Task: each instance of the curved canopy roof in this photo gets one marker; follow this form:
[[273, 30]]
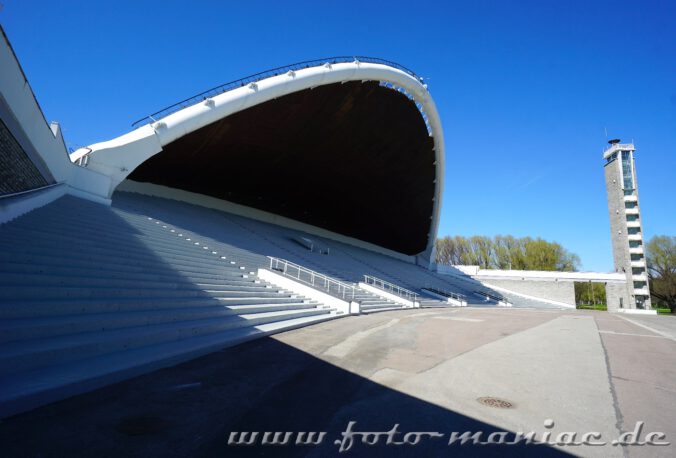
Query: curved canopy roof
[[354, 148]]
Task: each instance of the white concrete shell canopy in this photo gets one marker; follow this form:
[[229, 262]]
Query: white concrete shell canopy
[[118, 157]]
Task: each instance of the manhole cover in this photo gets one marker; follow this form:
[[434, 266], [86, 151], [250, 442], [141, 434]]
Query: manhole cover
[[495, 402], [139, 425]]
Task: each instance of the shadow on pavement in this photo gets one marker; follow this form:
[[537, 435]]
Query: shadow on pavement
[[263, 385]]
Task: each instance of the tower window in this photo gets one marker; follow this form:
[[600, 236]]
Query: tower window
[[627, 175]]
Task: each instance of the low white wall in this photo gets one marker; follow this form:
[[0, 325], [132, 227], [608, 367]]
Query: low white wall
[[455, 271], [389, 296], [555, 287], [542, 275], [345, 307], [468, 270], [528, 296], [556, 291]]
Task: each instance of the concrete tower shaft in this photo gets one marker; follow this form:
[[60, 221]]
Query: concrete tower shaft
[[625, 222]]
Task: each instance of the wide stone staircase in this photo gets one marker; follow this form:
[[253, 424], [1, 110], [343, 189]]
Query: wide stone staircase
[[371, 302], [90, 295]]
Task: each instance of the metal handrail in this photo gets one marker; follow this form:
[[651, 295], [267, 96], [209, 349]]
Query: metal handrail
[[495, 297], [390, 287], [266, 74], [445, 292], [28, 191], [313, 278]]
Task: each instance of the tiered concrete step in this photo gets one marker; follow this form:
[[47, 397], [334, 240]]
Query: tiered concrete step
[[24, 390], [346, 263], [90, 295], [214, 227], [372, 303], [253, 239], [27, 352], [433, 303]]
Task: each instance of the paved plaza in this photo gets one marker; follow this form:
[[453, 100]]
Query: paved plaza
[[427, 370]]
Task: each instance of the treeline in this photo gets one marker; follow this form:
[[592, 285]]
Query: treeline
[[505, 252]]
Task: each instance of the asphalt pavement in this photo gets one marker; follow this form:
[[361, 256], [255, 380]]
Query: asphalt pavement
[[400, 383]]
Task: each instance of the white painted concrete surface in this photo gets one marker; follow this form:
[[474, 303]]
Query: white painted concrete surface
[[343, 306], [387, 295]]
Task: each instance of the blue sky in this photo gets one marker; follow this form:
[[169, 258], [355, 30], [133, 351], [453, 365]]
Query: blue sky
[[524, 89]]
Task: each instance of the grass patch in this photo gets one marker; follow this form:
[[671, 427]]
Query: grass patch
[[602, 307], [663, 311]]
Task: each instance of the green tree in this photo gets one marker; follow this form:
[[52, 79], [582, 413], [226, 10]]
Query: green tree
[[542, 255], [505, 252], [501, 251], [482, 247], [445, 248], [661, 258], [539, 255], [590, 293], [517, 254]]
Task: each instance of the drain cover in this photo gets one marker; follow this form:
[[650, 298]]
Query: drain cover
[[495, 402]]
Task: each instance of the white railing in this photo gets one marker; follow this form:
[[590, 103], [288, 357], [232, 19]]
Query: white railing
[[83, 161], [391, 288], [81, 156], [621, 146], [312, 278], [445, 292]]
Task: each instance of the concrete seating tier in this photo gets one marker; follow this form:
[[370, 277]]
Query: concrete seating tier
[[253, 240], [90, 295]]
